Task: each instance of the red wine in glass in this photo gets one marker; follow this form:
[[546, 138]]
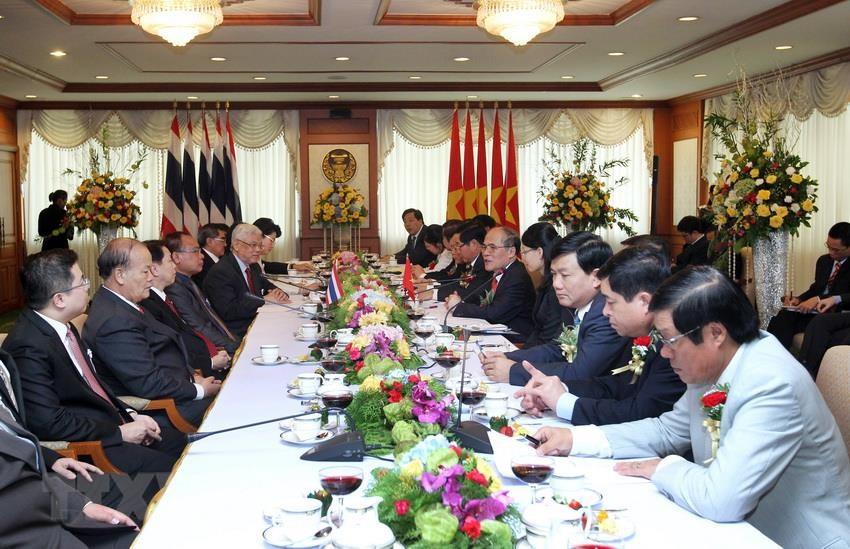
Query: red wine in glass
[[472, 397], [532, 473], [337, 399], [341, 485]]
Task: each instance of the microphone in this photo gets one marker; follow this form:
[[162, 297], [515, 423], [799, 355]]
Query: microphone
[[469, 294], [471, 435], [192, 437], [249, 295], [288, 283]]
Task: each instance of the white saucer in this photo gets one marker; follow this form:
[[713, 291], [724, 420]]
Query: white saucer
[[258, 361], [480, 413], [286, 424], [302, 337], [298, 361], [586, 496], [276, 536], [291, 438], [296, 393], [625, 530]]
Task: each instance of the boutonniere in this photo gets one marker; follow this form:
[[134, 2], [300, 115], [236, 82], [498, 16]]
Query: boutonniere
[[568, 340], [640, 348], [489, 295], [466, 280], [713, 402]]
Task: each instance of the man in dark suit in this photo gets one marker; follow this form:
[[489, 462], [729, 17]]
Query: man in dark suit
[[135, 353], [235, 286], [189, 300], [63, 396], [510, 296], [203, 354], [827, 292], [638, 386], [415, 247], [576, 259], [471, 276], [695, 251], [213, 241], [39, 509], [823, 332]]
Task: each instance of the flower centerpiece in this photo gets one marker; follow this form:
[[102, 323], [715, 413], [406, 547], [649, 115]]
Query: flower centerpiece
[[367, 299], [439, 495], [339, 205], [578, 198], [397, 411], [376, 350], [348, 262]]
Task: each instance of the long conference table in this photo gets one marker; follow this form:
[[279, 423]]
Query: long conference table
[[217, 493]]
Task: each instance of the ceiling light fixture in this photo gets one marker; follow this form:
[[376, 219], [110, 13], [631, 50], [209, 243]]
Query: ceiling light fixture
[[472, 97], [415, 77], [101, 77], [342, 58], [567, 77], [783, 48], [616, 53], [30, 96], [700, 75], [461, 59], [58, 53], [333, 97], [636, 96], [191, 97], [688, 18], [218, 59], [518, 21], [177, 22], [259, 78]]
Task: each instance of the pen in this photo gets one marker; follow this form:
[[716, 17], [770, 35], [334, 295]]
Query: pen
[[534, 442]]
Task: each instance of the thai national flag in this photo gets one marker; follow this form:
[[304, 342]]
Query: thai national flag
[[218, 194], [204, 171], [172, 207], [233, 208], [190, 189], [334, 292]]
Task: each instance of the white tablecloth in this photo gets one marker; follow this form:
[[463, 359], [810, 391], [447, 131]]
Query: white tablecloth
[[216, 496]]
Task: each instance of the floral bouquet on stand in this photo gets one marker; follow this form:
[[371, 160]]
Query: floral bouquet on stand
[[439, 495], [398, 411], [339, 205], [579, 199]]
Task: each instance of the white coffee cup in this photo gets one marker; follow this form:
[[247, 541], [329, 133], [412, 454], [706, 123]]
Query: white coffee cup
[[309, 329], [299, 517], [310, 308], [344, 331], [269, 353], [496, 404], [334, 379], [343, 339], [444, 339], [307, 427], [309, 383], [567, 478]]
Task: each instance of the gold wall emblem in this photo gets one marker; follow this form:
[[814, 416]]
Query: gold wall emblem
[[339, 166]]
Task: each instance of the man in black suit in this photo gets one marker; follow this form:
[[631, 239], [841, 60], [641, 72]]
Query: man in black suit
[[189, 300], [824, 331], [829, 291], [470, 277], [203, 353], [235, 286], [135, 353], [63, 395], [510, 296], [576, 259], [695, 251], [415, 247], [213, 241], [638, 386]]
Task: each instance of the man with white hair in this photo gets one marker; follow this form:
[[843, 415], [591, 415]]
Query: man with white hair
[[235, 283]]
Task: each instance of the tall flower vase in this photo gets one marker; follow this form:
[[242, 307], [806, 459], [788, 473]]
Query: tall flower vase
[[770, 263], [105, 234]]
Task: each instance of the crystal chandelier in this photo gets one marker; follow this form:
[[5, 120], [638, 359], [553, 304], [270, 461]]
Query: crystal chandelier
[[177, 21], [518, 21]]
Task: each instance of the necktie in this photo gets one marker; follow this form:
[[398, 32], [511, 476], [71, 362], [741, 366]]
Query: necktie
[[211, 348], [250, 281], [7, 381], [212, 314], [83, 362], [833, 275], [495, 282]]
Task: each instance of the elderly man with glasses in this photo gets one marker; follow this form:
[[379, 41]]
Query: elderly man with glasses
[[235, 285]]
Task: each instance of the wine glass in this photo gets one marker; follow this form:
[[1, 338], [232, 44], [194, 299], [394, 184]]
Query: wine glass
[[337, 398], [424, 330], [532, 469], [473, 394], [340, 481]]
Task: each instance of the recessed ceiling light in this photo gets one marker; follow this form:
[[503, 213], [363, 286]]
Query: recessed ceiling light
[[415, 77], [30, 96], [567, 77], [615, 53], [191, 97], [2, 17], [782, 48], [688, 18], [472, 97], [342, 58], [218, 58], [58, 53], [700, 75], [259, 78], [636, 96], [333, 97], [461, 59], [101, 77]]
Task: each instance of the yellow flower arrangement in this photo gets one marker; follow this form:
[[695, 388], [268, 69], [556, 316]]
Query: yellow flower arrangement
[[339, 205]]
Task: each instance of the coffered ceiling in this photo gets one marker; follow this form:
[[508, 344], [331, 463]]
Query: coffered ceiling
[[404, 51]]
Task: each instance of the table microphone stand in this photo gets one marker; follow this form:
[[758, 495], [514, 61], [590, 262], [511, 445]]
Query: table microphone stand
[[470, 434]]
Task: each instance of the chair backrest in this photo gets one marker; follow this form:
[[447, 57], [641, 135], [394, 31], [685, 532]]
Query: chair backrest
[[834, 384], [78, 322]]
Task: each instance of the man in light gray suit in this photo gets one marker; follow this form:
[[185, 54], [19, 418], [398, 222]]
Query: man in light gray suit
[[781, 463]]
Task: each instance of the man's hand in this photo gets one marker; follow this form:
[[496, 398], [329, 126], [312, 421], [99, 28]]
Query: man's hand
[[643, 469], [541, 391], [143, 430], [101, 513], [210, 385], [554, 441], [221, 361], [452, 300], [808, 305], [789, 301], [277, 295], [826, 304], [304, 266], [69, 468], [496, 366]]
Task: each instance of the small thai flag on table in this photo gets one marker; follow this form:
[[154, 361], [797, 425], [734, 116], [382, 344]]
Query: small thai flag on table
[[334, 291]]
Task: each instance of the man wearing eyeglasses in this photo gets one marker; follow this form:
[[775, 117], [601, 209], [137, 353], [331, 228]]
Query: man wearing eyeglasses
[[775, 458], [233, 281], [626, 392], [509, 298]]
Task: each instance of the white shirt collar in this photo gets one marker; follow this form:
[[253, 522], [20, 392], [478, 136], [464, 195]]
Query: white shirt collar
[[505, 268], [124, 299], [242, 265], [583, 311], [158, 292], [211, 255], [61, 328]]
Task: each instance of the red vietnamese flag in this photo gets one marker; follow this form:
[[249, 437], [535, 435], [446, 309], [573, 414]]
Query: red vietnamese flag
[[454, 200], [511, 218], [470, 193], [407, 279], [481, 180], [497, 186]]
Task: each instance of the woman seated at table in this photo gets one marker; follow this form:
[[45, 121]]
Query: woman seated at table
[[546, 316]]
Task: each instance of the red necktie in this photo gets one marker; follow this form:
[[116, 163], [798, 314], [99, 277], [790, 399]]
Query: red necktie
[[495, 282], [833, 275], [211, 348], [250, 281], [82, 361]]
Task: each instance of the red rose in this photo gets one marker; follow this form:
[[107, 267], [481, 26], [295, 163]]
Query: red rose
[[358, 365], [471, 527], [413, 379], [397, 385], [394, 396], [476, 477], [354, 353], [711, 400], [642, 341], [456, 449], [402, 506]]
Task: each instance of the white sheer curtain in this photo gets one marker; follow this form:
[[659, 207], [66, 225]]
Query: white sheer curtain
[[416, 177], [266, 189]]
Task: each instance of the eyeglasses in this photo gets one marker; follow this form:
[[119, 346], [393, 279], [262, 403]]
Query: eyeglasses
[[669, 342], [252, 245], [493, 247], [189, 251], [271, 238], [525, 250], [219, 239], [83, 283]]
